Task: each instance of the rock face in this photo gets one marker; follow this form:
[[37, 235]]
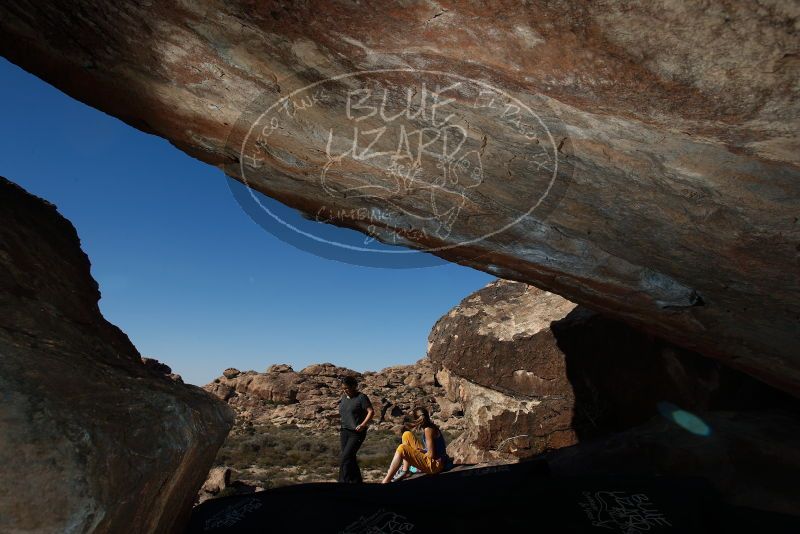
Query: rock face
[[310, 398], [218, 479], [92, 439], [161, 368], [751, 458], [637, 158], [535, 372]]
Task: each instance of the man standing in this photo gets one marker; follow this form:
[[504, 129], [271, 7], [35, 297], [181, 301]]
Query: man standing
[[355, 411]]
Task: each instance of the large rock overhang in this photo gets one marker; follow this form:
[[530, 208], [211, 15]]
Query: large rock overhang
[[674, 125]]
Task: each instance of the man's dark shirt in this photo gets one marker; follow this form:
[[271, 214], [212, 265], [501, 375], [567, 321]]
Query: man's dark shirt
[[353, 411]]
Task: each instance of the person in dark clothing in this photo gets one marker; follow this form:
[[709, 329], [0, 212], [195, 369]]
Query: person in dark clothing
[[355, 411]]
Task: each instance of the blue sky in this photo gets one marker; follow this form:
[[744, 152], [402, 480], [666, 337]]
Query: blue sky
[[186, 273]]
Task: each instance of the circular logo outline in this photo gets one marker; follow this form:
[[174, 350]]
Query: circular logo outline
[[358, 249]]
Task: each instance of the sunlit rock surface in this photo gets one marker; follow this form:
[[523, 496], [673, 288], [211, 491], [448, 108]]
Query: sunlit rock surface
[[639, 158], [92, 439], [534, 372]]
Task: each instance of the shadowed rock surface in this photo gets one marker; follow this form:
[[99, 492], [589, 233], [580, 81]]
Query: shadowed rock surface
[[751, 458], [92, 438], [672, 124], [533, 372], [510, 498]]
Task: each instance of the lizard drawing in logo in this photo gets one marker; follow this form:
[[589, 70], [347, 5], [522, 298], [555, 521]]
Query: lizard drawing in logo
[[425, 179]]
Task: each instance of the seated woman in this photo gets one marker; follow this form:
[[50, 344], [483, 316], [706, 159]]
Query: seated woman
[[431, 459]]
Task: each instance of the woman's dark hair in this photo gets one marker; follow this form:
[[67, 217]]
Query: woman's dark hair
[[421, 413], [350, 381]]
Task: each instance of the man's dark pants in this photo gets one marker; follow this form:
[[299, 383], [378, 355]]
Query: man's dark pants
[[348, 467]]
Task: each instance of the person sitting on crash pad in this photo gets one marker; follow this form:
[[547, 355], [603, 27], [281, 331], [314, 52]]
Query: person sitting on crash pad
[[430, 458]]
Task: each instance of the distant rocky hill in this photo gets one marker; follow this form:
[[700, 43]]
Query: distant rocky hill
[[310, 398]]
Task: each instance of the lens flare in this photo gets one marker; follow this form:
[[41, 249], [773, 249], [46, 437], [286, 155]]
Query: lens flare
[[686, 420]]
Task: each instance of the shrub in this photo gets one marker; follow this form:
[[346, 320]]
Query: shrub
[[267, 454]]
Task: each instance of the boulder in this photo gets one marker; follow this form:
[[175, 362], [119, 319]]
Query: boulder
[[176, 378], [276, 387], [639, 158], [217, 480], [219, 484], [157, 366], [94, 438], [160, 368], [534, 372], [280, 368], [329, 370], [223, 391], [752, 458], [231, 373]]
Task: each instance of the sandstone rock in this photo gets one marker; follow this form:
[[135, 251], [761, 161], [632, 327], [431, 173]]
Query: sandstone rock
[[92, 440], [222, 391], [380, 382], [160, 368], [156, 366], [534, 372], [448, 408], [328, 370], [418, 381], [280, 368], [218, 479], [277, 387], [219, 484], [502, 428], [674, 200], [230, 373]]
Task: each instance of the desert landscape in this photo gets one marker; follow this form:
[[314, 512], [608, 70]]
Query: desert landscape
[[287, 422], [626, 172]]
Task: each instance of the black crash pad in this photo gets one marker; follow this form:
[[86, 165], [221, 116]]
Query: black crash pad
[[499, 499]]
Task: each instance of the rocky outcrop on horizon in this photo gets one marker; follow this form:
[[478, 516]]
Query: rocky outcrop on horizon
[[535, 372], [309, 398], [93, 438], [161, 368]]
